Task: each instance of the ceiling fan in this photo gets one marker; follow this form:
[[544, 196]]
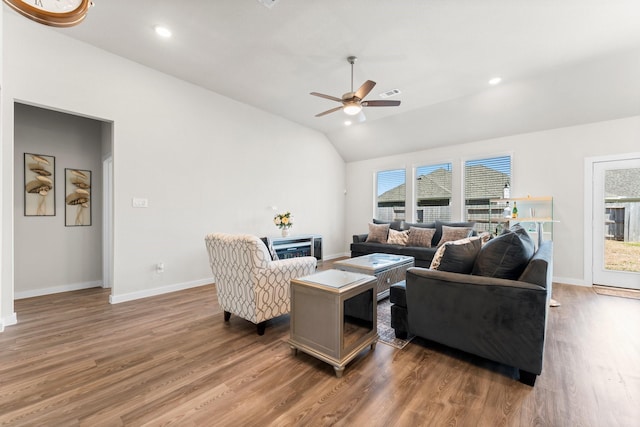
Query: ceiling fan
[[353, 102]]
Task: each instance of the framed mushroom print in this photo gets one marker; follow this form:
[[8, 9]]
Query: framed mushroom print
[[78, 197], [39, 185]]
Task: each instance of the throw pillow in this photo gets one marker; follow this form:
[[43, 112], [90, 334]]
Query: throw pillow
[[457, 256], [420, 237], [440, 224], [450, 234], [378, 233], [505, 256], [484, 237], [398, 237]]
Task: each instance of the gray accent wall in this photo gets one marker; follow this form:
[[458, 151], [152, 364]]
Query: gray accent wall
[[49, 256]]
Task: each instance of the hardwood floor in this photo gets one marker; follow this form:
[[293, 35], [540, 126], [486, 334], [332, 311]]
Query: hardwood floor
[[74, 359]]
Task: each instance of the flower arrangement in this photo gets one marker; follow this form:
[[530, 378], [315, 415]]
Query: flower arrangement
[[284, 220]]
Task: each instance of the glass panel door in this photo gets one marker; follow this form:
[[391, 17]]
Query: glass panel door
[[616, 214]]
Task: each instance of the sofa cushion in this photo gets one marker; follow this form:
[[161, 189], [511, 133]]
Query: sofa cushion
[[398, 237], [439, 224], [393, 225], [378, 233], [505, 256], [398, 293], [408, 225], [450, 234], [457, 256], [420, 237], [422, 256]]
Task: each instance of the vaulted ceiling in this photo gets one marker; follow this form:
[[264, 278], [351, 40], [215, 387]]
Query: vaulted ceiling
[[562, 62]]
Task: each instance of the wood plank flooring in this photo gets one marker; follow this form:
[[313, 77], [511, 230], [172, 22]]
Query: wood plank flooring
[[74, 359]]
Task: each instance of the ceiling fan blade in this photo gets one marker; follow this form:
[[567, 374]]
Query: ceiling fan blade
[[365, 89], [380, 103], [324, 113], [322, 95]]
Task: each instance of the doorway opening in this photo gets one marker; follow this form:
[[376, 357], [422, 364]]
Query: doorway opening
[[614, 221], [69, 252]]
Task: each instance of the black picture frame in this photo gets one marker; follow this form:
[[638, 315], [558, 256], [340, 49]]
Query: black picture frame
[[39, 185], [77, 201]]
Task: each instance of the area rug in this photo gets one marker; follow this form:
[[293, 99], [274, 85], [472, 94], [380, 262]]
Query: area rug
[[606, 290], [386, 334]]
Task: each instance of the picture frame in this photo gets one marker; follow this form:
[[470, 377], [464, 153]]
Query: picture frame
[[77, 202], [39, 185]]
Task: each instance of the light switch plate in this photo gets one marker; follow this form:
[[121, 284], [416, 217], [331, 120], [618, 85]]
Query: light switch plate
[[140, 203]]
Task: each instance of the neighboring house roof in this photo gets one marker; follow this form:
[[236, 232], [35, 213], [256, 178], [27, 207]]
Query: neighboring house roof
[[396, 194], [437, 185], [622, 185]]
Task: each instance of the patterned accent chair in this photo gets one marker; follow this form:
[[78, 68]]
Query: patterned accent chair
[[249, 284]]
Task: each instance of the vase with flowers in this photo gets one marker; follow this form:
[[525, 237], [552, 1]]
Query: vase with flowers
[[283, 221]]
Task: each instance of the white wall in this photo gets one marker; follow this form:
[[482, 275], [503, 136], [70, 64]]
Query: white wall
[[204, 162], [67, 258], [547, 163]]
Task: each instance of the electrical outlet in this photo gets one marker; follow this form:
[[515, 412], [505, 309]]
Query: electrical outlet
[[160, 267]]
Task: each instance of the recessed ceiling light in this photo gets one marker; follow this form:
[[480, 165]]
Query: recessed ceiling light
[[494, 81], [347, 122], [162, 31]]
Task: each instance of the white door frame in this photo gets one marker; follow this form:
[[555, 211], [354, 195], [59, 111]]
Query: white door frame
[[107, 222], [588, 208]]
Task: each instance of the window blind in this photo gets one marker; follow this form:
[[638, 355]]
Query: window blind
[[433, 192], [391, 195], [484, 179]]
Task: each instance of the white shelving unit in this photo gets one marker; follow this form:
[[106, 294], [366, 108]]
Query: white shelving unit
[[534, 213]]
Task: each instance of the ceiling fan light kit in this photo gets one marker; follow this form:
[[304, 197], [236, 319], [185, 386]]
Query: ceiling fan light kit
[[351, 108], [353, 102]]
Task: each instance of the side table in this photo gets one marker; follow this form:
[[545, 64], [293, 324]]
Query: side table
[[333, 316]]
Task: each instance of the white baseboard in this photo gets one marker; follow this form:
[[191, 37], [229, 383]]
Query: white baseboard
[[116, 299], [334, 256], [8, 321], [57, 289], [571, 281]]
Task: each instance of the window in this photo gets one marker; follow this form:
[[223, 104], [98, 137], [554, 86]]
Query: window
[[433, 193], [391, 195], [484, 179]]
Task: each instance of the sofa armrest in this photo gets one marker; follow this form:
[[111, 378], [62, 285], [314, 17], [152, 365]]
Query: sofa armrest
[[469, 280], [540, 267], [360, 238]]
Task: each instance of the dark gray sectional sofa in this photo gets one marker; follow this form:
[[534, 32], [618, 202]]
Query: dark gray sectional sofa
[[422, 255], [498, 312]]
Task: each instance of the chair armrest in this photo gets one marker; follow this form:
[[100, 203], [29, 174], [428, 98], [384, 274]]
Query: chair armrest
[[360, 238], [292, 268]]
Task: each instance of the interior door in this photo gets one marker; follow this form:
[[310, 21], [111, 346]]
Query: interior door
[[616, 223]]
